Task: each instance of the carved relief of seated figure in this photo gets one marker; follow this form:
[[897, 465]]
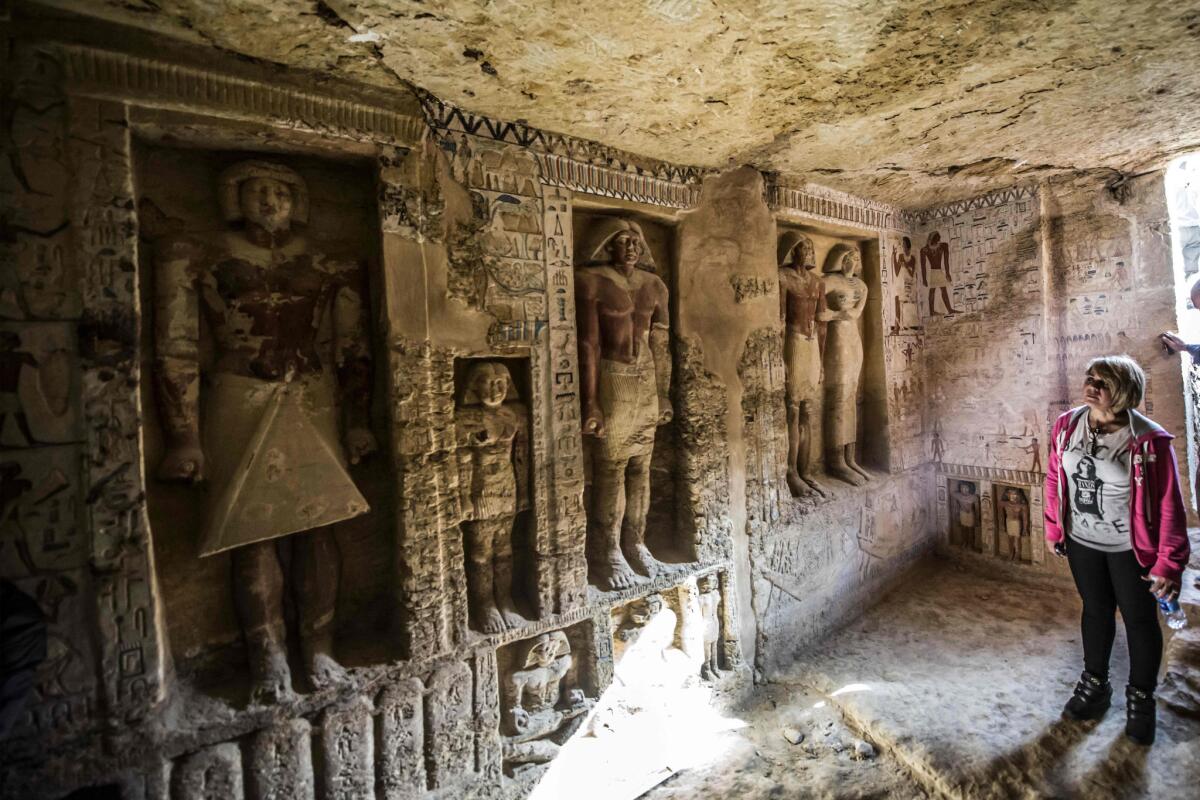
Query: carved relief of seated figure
[[541, 714]]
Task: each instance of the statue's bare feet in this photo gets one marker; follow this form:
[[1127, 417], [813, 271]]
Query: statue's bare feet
[[816, 487], [489, 619], [706, 672], [854, 466], [613, 573], [271, 674], [641, 560], [797, 486], [512, 617], [848, 475], [323, 669]]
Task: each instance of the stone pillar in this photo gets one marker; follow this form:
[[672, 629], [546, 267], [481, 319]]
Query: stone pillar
[[105, 245]]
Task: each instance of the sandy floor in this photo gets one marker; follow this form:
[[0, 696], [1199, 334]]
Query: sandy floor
[[963, 677]]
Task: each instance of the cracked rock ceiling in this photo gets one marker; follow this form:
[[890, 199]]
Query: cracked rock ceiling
[[909, 101]]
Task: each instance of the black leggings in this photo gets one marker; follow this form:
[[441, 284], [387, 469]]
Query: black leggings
[[1106, 582]]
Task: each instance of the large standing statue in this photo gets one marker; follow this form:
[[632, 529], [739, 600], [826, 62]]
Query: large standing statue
[[965, 503], [801, 305], [494, 485], [283, 409], [845, 298], [625, 379]]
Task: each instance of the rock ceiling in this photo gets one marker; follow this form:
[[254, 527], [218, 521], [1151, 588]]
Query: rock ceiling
[[913, 102]]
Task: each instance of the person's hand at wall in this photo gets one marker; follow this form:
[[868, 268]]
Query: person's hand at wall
[[1171, 341]]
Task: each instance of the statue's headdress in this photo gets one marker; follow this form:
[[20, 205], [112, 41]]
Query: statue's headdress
[[556, 642], [230, 183], [843, 259], [593, 249], [789, 242]]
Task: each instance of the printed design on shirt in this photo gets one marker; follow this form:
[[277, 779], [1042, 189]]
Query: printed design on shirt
[[1089, 489]]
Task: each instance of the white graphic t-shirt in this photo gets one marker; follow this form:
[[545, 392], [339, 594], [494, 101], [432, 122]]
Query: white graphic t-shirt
[[1098, 487]]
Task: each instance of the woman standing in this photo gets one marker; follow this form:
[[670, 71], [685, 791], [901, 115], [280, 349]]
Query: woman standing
[[1114, 509]]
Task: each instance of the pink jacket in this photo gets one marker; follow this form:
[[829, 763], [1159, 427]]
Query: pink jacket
[[1158, 522]]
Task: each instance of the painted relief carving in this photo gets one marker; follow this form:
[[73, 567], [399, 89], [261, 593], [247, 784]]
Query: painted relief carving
[[801, 309], [540, 713], [1014, 521], [965, 527], [904, 270], [625, 380], [845, 299], [935, 271], [493, 475], [281, 418], [710, 603]]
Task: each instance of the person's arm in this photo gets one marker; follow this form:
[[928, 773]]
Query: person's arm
[[1173, 546], [944, 257], [352, 357], [587, 316], [1054, 532], [660, 349], [177, 358], [924, 263]]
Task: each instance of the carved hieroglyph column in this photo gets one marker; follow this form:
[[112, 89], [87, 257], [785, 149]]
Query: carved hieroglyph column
[[102, 218]]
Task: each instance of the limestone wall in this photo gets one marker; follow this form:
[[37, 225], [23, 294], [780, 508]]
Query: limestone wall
[[1041, 280], [443, 250]]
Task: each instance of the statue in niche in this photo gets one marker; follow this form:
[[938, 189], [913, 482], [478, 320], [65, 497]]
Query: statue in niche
[[637, 614], [935, 270], [493, 480], [1014, 517], [965, 516], [801, 308], [710, 603], [284, 410], [904, 268], [625, 380], [539, 715], [845, 299]]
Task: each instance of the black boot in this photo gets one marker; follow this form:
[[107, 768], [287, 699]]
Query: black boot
[[1093, 696], [1140, 711]]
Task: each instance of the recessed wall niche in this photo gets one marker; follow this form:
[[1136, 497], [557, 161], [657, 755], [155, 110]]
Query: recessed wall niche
[[548, 683], [1013, 540], [494, 461], [262, 362], [639, 424], [837, 411]]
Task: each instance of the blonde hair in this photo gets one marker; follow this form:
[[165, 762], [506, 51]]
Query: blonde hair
[[1126, 380]]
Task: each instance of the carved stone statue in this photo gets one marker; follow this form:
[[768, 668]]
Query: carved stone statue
[[539, 715], [493, 480], [1014, 518], [965, 515], [801, 306], [710, 602], [283, 411], [637, 614], [625, 379], [845, 299]]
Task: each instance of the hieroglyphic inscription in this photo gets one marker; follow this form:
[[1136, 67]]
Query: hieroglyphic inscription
[[106, 243], [565, 454]]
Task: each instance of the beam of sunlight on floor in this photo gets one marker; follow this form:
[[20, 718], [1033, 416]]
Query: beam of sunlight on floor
[[656, 719]]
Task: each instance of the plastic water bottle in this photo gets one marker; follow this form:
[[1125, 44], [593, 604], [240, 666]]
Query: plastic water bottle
[[1173, 614]]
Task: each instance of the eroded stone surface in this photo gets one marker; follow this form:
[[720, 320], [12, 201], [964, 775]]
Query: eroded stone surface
[[908, 101]]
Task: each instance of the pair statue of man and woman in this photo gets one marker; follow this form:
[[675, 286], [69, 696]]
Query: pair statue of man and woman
[[823, 355]]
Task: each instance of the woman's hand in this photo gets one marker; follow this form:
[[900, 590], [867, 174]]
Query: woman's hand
[[1057, 548], [1161, 587]]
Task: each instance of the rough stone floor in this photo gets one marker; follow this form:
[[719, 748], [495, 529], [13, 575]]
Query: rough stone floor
[[962, 677]]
